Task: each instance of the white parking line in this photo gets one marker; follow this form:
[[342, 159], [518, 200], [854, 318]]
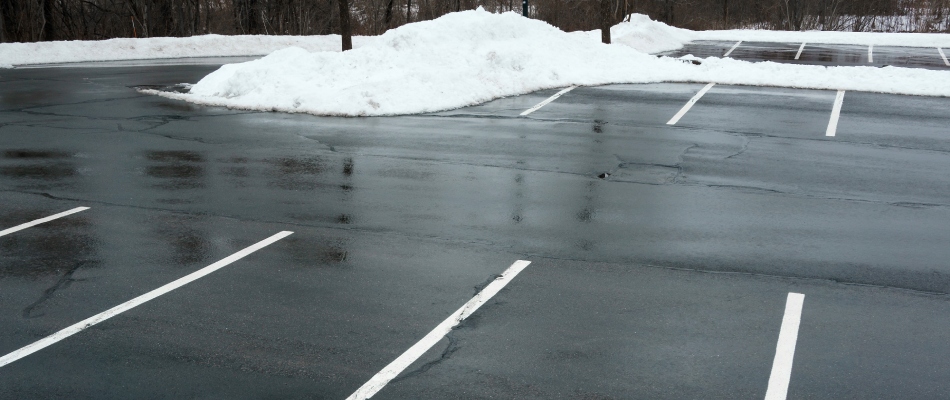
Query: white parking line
[[871, 54], [41, 220], [835, 114], [800, 49], [546, 101], [785, 350], [689, 104], [732, 49], [944, 56], [394, 368], [88, 322]]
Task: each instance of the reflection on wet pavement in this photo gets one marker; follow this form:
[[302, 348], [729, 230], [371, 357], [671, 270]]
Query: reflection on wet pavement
[[189, 244], [45, 250], [176, 170], [297, 173], [311, 253], [38, 169]]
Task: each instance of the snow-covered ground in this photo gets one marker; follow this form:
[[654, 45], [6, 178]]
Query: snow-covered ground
[[475, 56], [653, 37], [161, 47], [639, 32]]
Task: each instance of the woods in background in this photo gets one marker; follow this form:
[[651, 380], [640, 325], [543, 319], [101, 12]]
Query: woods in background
[[39, 20]]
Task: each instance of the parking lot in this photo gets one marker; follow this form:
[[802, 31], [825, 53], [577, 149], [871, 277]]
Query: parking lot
[[821, 54], [670, 229]]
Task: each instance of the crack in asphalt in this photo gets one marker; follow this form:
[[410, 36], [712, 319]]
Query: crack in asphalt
[[64, 282], [745, 146], [945, 295], [450, 349]]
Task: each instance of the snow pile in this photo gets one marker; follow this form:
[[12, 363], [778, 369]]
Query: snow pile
[[161, 47], [474, 56], [459, 59], [648, 36]]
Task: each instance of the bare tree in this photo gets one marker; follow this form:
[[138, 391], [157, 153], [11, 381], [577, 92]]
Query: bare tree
[[345, 30]]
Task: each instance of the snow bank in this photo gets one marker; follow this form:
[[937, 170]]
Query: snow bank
[[825, 37], [639, 32], [459, 59], [162, 47], [472, 57], [646, 35]]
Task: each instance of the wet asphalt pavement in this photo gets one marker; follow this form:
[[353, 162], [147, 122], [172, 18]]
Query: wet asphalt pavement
[[665, 279], [819, 54]]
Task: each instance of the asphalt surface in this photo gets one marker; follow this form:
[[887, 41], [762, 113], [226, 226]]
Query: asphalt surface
[[666, 278]]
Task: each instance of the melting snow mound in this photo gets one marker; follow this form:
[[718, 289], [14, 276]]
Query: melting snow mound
[[471, 57], [457, 60]]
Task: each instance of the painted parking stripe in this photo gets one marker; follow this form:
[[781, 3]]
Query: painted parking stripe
[[689, 104], [732, 49], [871, 54], [546, 101], [944, 56], [394, 368], [41, 220], [95, 319], [800, 49], [785, 350], [835, 114]]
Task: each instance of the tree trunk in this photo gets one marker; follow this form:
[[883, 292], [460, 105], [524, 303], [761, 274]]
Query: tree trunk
[[605, 21], [7, 21], [725, 14], [345, 24], [49, 34], [408, 11], [389, 14], [253, 27]]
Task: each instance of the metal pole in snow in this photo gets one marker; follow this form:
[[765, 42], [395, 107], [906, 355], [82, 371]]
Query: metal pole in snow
[[524, 8]]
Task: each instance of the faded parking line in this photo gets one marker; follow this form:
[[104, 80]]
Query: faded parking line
[[732, 49], [41, 220], [800, 49], [944, 56], [378, 381], [546, 101], [88, 322]]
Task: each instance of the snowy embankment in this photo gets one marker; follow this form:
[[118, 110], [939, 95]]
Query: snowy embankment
[[161, 47], [472, 57], [649, 36], [639, 32]]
